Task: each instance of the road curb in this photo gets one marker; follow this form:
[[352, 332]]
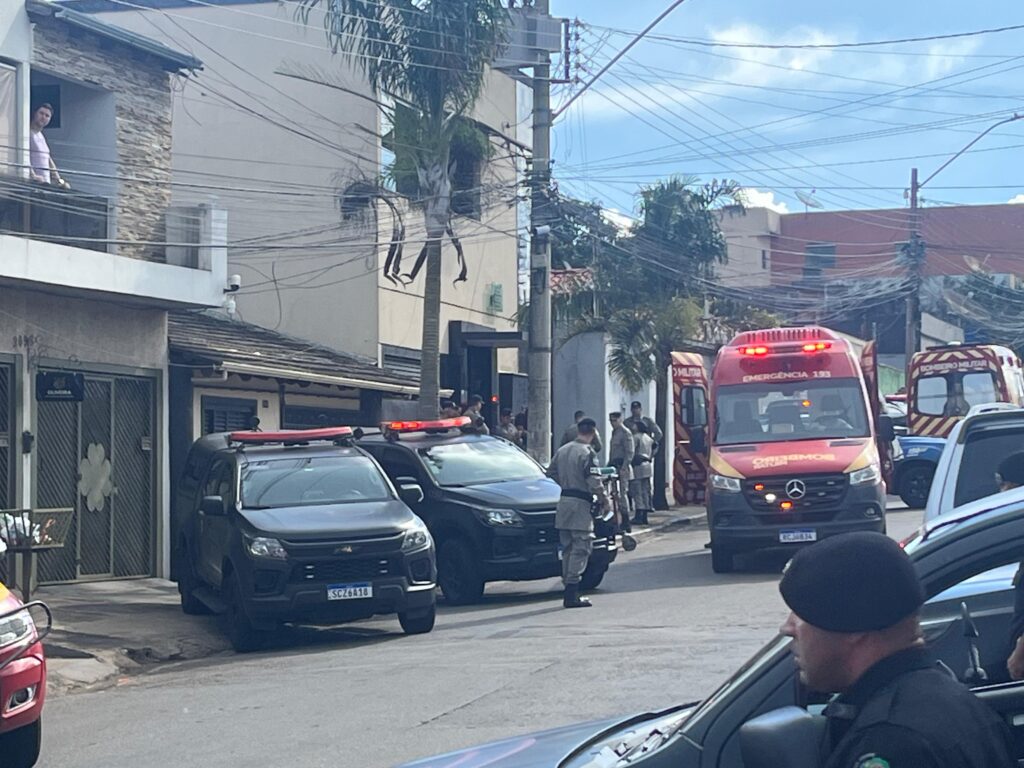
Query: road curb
[[670, 523]]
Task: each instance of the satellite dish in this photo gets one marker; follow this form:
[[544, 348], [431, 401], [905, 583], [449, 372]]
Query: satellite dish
[[808, 200], [975, 265]]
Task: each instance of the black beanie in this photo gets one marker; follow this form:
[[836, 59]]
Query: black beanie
[[854, 582]]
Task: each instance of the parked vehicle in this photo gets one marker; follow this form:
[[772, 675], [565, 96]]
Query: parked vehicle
[[946, 382], [299, 526], [966, 468], [965, 558], [22, 679], [914, 467], [488, 505], [792, 442]]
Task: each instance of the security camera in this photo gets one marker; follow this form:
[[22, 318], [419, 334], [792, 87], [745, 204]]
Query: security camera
[[542, 231], [234, 283]]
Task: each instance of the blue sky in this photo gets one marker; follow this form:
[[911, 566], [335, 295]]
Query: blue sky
[[779, 121]]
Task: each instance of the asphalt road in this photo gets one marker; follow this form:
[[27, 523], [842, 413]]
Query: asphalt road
[[664, 630]]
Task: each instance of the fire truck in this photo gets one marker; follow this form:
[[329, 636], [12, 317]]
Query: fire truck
[[792, 441], [946, 382]]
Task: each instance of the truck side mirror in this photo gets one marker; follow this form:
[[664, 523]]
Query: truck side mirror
[[886, 429], [699, 440], [409, 491], [212, 506], [788, 736]]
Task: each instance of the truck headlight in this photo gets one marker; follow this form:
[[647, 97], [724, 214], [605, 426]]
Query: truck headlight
[[727, 484], [867, 476], [263, 546], [417, 537], [17, 628], [499, 518]]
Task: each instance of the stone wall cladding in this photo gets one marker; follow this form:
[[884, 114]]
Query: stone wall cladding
[[142, 96]]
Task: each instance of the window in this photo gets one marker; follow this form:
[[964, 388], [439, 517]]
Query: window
[[954, 394], [221, 482], [695, 408], [226, 414], [478, 463], [9, 122], [308, 480], [982, 452], [817, 258], [466, 181], [764, 259]]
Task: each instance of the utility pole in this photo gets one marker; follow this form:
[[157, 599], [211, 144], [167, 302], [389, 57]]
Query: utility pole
[[539, 393], [913, 252]]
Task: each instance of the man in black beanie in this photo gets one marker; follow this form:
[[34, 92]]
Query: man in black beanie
[[854, 602]]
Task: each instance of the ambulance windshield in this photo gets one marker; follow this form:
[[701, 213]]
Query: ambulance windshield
[[781, 411]]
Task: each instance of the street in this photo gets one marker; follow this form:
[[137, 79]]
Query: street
[[664, 630]]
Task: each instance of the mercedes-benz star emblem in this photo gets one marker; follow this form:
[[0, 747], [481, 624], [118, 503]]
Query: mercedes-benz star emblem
[[796, 489]]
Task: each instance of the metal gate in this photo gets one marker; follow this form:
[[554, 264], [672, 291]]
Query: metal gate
[[7, 452], [97, 457]]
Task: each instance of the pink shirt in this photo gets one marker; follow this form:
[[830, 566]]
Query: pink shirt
[[39, 155]]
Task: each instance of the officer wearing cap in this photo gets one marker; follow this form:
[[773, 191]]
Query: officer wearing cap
[[854, 602], [573, 467], [1010, 475]]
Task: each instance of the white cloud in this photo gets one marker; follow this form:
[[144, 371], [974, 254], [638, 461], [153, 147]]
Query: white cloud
[[1016, 200], [623, 221], [756, 198]]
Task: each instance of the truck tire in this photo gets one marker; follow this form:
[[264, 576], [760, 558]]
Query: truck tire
[[593, 576], [239, 628], [722, 560], [458, 573], [915, 482], [188, 584], [20, 748], [418, 622]]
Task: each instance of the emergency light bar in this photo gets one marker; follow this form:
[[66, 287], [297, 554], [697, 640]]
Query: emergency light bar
[[426, 426], [808, 347], [754, 351], [291, 436], [817, 346]]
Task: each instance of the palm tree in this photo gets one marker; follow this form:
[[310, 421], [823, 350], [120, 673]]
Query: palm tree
[[430, 58]]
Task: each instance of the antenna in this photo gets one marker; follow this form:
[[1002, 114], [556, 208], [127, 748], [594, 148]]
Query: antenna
[[808, 200]]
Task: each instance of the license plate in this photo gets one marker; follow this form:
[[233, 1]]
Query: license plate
[[800, 534], [349, 591]]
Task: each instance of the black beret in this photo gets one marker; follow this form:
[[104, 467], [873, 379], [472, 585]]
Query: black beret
[[854, 582]]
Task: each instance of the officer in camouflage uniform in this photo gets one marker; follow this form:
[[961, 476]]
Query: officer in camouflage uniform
[[573, 467]]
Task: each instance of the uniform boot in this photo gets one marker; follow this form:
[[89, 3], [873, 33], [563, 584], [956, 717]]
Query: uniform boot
[[572, 597]]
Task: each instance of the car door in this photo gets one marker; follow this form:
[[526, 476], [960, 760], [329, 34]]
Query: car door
[[690, 389], [945, 563], [214, 530], [398, 463]]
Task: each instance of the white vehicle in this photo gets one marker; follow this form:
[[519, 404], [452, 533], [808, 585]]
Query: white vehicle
[[966, 469]]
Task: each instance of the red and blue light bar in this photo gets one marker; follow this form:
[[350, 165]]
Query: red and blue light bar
[[426, 426]]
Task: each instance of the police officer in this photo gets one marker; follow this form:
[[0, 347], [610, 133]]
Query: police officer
[[572, 432], [1010, 475], [621, 449], [636, 415], [572, 467], [854, 602]]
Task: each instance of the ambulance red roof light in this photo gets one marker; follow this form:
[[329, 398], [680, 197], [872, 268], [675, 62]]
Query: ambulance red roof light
[[421, 426], [758, 351], [816, 346]]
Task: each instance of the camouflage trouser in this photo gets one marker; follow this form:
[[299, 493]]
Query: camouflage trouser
[[640, 490], [576, 548]]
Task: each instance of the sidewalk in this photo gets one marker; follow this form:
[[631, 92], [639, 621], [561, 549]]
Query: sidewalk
[[106, 630]]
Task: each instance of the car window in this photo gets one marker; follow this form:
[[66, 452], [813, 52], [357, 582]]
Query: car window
[[398, 463], [982, 453], [931, 395], [220, 482], [304, 481], [478, 462], [953, 394], [979, 388]]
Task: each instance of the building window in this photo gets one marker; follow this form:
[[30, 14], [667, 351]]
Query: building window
[[764, 259], [467, 178], [817, 258], [227, 414], [308, 417], [9, 122]]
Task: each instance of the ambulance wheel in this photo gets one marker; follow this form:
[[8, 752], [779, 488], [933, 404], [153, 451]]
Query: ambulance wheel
[[722, 560]]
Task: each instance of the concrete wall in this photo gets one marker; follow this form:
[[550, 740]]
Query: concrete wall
[[143, 125], [749, 235], [16, 50]]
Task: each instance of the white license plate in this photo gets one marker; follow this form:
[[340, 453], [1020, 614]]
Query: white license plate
[[349, 591], [800, 534]]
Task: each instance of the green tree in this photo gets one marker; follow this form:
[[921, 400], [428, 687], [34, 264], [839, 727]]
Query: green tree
[[430, 57]]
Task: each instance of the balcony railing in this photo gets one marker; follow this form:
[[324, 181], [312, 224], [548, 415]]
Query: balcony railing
[[44, 212]]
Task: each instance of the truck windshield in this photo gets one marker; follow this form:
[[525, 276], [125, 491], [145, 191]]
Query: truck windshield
[[298, 482], [479, 462], [769, 412], [953, 394]]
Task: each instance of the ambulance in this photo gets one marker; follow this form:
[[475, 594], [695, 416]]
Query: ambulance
[[792, 440]]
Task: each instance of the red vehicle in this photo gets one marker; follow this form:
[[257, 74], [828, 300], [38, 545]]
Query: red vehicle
[[946, 382], [791, 442], [22, 679]]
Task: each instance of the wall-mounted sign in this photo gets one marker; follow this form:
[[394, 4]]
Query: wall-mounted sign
[[60, 386]]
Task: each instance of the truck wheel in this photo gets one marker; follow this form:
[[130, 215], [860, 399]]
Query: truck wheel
[[915, 484], [721, 560], [593, 576], [458, 573], [20, 748], [188, 584], [239, 628], [419, 622]]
